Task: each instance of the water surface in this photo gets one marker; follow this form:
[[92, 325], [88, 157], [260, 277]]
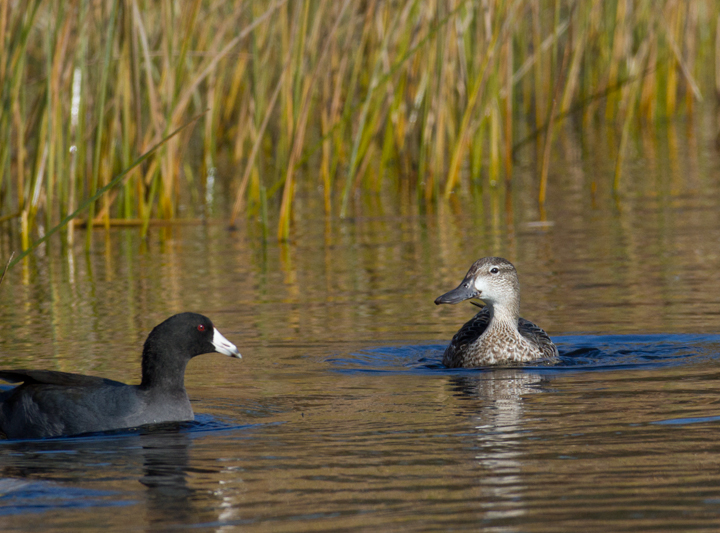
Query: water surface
[[340, 416]]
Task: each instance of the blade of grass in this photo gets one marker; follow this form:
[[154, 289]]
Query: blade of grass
[[639, 61], [89, 201], [237, 206], [288, 190], [374, 84], [7, 265], [100, 112], [475, 95], [551, 116], [681, 62]]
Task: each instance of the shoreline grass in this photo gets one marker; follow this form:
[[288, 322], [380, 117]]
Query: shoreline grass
[[341, 96]]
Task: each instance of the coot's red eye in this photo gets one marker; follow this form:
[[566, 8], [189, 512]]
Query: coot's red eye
[[201, 327]]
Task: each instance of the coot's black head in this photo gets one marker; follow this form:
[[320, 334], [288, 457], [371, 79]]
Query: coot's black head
[[191, 334], [173, 343]]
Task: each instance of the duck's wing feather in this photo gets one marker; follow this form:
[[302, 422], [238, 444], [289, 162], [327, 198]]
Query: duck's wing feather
[[472, 329], [469, 333], [51, 377], [537, 336]]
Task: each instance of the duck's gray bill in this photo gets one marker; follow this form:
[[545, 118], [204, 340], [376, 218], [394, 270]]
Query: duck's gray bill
[[460, 294], [224, 346]]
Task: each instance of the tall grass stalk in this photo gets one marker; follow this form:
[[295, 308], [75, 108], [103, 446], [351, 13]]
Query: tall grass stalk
[[545, 163], [100, 112], [99, 193], [328, 98]]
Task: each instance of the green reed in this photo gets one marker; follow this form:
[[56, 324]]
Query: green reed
[[337, 98]]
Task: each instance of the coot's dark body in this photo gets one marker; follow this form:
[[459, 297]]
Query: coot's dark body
[[53, 404]]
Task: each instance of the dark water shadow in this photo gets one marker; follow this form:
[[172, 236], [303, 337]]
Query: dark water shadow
[[577, 353], [44, 474], [20, 496]]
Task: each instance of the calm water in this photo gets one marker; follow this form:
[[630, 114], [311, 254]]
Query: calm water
[[340, 416]]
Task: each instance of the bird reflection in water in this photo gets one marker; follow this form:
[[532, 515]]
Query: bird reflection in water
[[166, 460], [158, 455], [496, 405]]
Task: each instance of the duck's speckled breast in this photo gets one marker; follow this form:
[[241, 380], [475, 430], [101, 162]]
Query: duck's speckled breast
[[476, 345]]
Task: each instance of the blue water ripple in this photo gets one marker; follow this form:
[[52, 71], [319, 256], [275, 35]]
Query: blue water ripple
[[577, 353], [18, 496]]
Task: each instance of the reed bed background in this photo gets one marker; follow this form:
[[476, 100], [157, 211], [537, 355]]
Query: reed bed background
[[337, 97]]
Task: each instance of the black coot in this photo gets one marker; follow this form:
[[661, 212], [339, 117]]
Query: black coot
[[53, 404]]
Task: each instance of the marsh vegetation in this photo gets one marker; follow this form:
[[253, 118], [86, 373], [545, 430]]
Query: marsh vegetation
[[342, 99]]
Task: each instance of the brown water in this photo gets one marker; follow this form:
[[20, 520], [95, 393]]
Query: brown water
[[340, 416]]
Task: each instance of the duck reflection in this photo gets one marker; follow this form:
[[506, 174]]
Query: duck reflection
[[497, 409]]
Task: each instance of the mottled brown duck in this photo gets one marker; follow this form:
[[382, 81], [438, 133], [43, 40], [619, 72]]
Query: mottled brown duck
[[497, 334]]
